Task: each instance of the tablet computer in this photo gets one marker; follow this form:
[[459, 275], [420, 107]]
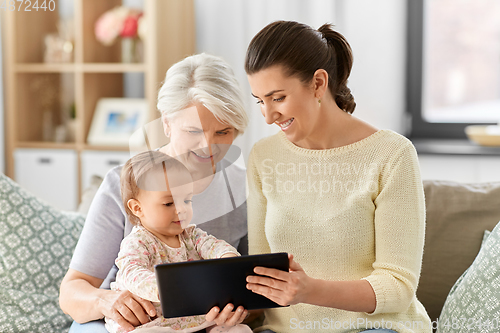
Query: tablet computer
[[194, 287]]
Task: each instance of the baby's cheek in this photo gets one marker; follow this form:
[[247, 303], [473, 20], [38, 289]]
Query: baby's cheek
[[185, 223]]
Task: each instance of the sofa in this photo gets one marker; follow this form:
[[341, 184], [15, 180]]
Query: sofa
[[454, 286], [36, 243]]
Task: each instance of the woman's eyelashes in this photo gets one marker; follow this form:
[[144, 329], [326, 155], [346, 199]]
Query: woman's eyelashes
[[220, 133], [280, 99]]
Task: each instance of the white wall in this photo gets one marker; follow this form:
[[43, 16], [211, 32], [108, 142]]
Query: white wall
[[375, 30]]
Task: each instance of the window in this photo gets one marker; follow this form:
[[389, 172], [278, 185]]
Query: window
[[453, 65]]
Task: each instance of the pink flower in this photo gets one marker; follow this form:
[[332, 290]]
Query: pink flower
[[130, 27], [109, 26], [119, 21]]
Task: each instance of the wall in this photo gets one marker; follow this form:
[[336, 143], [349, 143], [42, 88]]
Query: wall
[[375, 30]]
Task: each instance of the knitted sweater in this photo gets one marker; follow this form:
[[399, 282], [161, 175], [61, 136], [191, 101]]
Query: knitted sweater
[[347, 213]]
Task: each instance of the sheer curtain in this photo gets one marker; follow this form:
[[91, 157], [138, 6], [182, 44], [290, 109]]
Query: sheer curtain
[[225, 28]]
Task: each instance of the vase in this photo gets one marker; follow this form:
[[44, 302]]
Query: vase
[[71, 126], [131, 50], [48, 126]]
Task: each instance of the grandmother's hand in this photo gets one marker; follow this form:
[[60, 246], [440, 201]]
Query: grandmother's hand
[[284, 288], [227, 317], [126, 309]]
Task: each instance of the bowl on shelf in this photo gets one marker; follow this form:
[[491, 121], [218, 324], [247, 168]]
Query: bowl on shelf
[[488, 135]]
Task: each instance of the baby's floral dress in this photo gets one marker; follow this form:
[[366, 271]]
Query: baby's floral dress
[[140, 251]]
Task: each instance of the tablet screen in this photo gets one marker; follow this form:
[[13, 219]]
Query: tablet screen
[[194, 287]]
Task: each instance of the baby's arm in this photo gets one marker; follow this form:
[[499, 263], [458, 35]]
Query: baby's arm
[[209, 247], [136, 272]]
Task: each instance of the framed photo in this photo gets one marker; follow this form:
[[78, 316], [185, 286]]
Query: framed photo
[[116, 119]]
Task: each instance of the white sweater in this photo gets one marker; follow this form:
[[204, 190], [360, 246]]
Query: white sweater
[[348, 213]]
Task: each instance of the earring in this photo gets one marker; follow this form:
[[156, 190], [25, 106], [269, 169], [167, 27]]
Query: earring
[[168, 135], [319, 101]]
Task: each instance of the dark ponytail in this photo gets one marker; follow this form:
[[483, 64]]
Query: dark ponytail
[[301, 50], [342, 53]]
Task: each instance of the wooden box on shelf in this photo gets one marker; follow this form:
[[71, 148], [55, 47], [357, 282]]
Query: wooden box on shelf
[[96, 71]]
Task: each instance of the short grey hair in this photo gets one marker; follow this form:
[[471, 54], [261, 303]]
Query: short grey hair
[[207, 80]]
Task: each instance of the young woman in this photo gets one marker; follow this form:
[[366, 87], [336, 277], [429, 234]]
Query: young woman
[[342, 197], [202, 112]]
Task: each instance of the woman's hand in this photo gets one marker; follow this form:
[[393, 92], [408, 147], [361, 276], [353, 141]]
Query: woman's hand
[[126, 309], [227, 317], [284, 288]]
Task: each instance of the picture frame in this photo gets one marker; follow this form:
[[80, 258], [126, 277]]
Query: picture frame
[[116, 119]]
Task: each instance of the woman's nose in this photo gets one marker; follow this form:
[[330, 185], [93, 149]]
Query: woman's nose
[[269, 114], [206, 143]]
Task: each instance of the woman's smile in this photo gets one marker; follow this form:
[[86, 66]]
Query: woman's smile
[[286, 124], [202, 157]]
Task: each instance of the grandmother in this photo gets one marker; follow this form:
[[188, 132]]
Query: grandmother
[[202, 113]]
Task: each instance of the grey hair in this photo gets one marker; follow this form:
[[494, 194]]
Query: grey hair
[[207, 80]]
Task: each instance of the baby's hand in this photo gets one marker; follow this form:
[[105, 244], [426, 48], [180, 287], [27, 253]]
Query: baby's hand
[[227, 317], [228, 255]]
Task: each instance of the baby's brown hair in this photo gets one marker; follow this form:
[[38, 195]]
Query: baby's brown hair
[[132, 177]]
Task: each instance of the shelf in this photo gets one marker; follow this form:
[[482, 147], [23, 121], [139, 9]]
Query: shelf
[[45, 68], [86, 68], [113, 148], [45, 145], [67, 145], [111, 68], [453, 147]]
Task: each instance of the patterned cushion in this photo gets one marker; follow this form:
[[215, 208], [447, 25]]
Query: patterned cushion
[[473, 304], [36, 244], [485, 237]]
